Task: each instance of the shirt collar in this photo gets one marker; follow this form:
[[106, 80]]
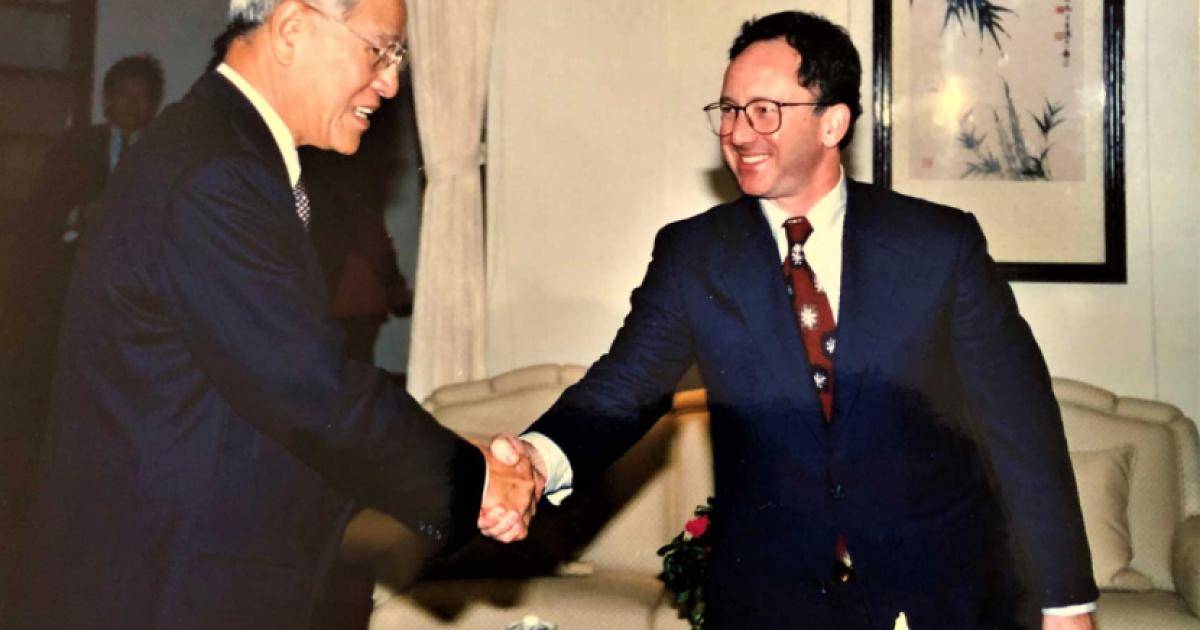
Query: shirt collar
[[279, 130], [823, 215]]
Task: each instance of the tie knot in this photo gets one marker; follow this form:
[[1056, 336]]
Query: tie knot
[[798, 230]]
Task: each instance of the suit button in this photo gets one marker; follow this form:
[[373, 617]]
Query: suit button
[[835, 491]]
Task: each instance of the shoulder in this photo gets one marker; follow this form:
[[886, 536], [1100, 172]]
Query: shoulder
[[719, 223], [877, 210], [195, 144], [901, 208]]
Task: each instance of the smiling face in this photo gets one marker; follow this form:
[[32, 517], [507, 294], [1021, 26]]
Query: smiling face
[[342, 86], [797, 164]]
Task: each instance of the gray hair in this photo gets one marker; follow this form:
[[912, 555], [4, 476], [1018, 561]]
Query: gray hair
[[257, 11]]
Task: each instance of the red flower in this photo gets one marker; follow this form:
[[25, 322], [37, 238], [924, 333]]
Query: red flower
[[697, 526]]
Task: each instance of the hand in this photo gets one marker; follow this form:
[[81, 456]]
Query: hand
[[516, 480], [1068, 622]]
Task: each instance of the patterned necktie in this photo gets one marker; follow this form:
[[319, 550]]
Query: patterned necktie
[[819, 331], [303, 208], [813, 312]]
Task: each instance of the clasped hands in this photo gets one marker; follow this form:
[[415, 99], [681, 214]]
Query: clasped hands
[[516, 480]]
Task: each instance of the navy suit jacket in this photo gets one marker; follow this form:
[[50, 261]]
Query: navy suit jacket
[[942, 404], [208, 435]]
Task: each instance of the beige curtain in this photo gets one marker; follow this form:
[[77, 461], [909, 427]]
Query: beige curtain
[[451, 42]]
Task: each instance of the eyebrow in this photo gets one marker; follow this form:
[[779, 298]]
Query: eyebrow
[[386, 36], [381, 34]]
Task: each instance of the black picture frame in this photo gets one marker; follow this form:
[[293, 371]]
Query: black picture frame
[[1113, 269]]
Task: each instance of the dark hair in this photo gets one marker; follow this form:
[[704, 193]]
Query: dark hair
[[829, 63], [144, 67], [236, 28]]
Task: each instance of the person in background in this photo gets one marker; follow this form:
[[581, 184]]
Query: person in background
[[80, 163], [348, 195]]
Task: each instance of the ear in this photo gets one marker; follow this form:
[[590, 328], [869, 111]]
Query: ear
[[284, 27], [835, 122]]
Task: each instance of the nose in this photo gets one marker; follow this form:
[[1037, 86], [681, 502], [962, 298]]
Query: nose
[[742, 133], [387, 81]]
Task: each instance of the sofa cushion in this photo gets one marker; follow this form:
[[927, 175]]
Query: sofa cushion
[[1103, 480], [1153, 610], [1154, 493]]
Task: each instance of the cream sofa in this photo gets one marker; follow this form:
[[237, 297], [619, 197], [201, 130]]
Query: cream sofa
[[1163, 504], [652, 491]]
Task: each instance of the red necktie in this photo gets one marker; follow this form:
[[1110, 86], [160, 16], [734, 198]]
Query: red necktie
[[813, 313], [819, 331]]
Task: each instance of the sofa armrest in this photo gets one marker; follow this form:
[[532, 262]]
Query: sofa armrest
[[1185, 562]]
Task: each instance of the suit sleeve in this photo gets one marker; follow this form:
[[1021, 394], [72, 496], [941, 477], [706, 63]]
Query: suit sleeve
[[259, 326], [1008, 388], [629, 388]]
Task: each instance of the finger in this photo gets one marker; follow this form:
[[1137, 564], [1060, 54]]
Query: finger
[[491, 517], [517, 532], [510, 534], [502, 526], [505, 449]]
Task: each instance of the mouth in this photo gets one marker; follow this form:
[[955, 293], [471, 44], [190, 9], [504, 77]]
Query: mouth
[[363, 113], [751, 160]]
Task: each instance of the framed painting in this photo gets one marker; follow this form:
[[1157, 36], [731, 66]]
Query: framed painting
[[1012, 110]]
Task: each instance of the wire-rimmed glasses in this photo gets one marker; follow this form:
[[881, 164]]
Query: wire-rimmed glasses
[[393, 54]]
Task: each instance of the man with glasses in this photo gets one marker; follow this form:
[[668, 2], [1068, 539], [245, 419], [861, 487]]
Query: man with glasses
[[883, 424], [209, 438]]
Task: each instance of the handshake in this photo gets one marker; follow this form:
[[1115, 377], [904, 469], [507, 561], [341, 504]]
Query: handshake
[[516, 479]]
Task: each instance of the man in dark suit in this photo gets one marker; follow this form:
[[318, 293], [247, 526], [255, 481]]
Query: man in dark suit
[[883, 423], [209, 439], [79, 163]]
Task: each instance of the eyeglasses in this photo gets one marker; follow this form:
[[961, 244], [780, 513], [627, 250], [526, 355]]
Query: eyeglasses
[[763, 114], [394, 54]]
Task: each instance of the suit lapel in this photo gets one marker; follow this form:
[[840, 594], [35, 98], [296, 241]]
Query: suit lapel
[[254, 135], [750, 272], [870, 264]]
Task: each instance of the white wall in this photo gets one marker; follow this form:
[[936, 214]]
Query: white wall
[[1143, 338], [597, 141]]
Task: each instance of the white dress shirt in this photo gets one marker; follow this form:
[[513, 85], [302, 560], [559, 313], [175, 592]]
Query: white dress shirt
[[279, 130], [823, 249]]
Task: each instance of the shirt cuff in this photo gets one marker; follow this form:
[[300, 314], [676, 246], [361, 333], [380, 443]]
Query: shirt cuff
[[1067, 611], [559, 475]]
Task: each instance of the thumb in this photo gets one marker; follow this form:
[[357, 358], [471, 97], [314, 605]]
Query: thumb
[[503, 448]]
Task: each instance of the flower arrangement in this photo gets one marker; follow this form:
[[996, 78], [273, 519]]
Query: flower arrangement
[[686, 566]]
